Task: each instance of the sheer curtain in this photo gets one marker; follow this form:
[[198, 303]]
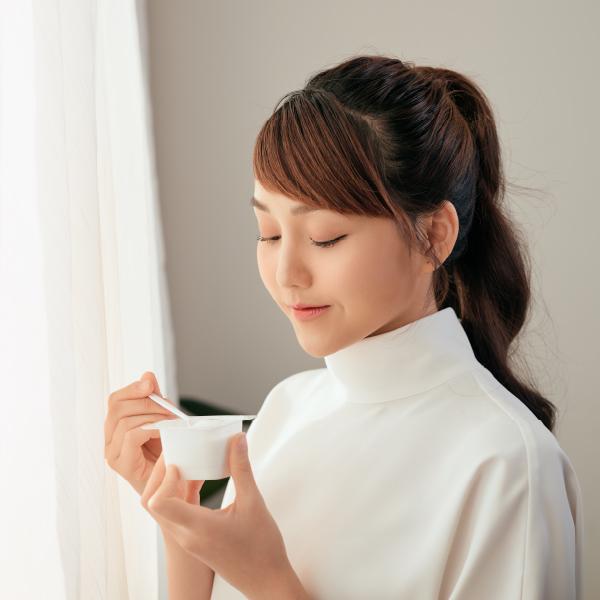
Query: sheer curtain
[[83, 303]]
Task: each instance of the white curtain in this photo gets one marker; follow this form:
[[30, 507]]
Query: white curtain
[[83, 304]]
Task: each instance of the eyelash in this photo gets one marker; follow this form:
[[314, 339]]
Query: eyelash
[[326, 244]]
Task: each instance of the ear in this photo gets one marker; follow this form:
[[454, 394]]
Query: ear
[[441, 230]]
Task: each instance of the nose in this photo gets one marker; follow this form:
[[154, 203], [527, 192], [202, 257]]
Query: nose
[[292, 269]]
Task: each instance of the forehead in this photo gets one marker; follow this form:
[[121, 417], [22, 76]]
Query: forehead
[[296, 208], [267, 202], [263, 200]]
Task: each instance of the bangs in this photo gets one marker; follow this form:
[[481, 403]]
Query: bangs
[[310, 149]]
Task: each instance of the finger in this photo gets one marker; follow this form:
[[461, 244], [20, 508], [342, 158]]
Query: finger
[[150, 377], [166, 503], [157, 475], [137, 406], [152, 450], [193, 491], [114, 448], [131, 459], [136, 389], [192, 525]]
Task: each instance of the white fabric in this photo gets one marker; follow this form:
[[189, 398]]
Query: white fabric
[[403, 469], [83, 308]]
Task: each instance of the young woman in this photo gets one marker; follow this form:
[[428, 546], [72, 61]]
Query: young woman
[[416, 464]]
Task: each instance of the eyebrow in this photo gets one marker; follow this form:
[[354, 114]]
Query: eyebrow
[[297, 210]]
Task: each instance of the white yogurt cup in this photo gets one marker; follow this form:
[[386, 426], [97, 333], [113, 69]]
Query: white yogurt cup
[[199, 445]]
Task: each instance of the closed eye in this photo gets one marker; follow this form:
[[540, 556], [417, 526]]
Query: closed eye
[[325, 244]]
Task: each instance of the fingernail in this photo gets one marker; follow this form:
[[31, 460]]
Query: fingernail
[[243, 443]]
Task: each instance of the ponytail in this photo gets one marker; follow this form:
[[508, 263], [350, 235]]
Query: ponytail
[[486, 279]]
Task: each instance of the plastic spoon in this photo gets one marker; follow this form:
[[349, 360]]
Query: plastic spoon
[[178, 413], [169, 407]]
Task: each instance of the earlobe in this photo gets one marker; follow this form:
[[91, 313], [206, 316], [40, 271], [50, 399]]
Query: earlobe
[[429, 266]]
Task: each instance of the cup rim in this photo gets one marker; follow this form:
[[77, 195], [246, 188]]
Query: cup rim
[[210, 421]]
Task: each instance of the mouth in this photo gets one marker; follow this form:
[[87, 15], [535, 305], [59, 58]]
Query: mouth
[[307, 306], [309, 312]]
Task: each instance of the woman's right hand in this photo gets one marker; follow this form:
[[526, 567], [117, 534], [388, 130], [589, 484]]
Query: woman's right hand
[[129, 450]]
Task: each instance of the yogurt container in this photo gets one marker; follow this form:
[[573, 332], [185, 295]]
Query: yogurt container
[[199, 445]]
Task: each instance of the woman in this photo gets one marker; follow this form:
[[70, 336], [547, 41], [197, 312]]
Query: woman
[[416, 464]]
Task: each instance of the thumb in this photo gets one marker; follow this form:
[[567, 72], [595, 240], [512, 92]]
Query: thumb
[[241, 469]]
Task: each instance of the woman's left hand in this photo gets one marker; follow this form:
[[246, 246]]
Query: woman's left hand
[[240, 542]]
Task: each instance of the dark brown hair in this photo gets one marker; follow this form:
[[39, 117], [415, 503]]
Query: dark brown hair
[[379, 136]]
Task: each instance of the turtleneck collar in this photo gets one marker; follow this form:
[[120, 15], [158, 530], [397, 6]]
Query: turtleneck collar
[[408, 360]]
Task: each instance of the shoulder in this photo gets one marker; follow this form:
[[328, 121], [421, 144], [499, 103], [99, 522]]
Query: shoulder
[[515, 489], [500, 431]]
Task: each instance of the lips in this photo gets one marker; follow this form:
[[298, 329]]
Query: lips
[[307, 306], [310, 313]]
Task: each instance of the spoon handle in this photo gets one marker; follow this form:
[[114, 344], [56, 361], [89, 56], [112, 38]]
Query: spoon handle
[[169, 406]]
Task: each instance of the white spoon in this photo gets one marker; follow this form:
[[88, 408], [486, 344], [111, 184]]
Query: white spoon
[[169, 407], [178, 413]]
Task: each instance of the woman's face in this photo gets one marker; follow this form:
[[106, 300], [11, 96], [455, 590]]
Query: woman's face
[[367, 277]]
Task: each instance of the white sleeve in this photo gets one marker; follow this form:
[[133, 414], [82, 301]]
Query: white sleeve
[[520, 531]]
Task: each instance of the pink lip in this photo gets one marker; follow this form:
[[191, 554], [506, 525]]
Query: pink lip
[[300, 305], [305, 314]]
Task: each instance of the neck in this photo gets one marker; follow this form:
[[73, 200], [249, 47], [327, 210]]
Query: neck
[[402, 362]]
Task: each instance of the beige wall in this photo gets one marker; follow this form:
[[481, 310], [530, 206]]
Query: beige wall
[[217, 70]]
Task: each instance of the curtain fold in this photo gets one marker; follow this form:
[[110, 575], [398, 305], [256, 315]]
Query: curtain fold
[[84, 308]]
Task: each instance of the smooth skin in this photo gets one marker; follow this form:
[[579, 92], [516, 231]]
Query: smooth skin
[[368, 278], [129, 450], [133, 453]]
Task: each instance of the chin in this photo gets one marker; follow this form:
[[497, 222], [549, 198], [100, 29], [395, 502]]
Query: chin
[[313, 353], [315, 348]]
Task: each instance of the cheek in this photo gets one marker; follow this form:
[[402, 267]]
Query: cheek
[[266, 269], [376, 276], [367, 276]]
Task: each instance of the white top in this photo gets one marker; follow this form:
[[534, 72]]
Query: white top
[[405, 470]]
